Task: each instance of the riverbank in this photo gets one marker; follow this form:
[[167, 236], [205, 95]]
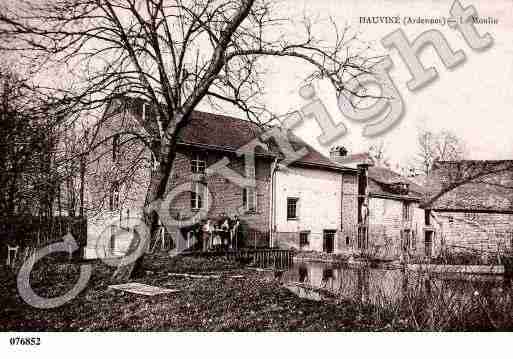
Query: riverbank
[[219, 295], [456, 268], [236, 299]]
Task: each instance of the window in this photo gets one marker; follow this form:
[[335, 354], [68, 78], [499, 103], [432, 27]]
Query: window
[[114, 196], [250, 170], [249, 199], [115, 147], [197, 195], [292, 208], [198, 164], [304, 239], [406, 211]]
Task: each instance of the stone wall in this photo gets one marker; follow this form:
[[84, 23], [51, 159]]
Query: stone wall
[[225, 196], [480, 230], [349, 212], [389, 233], [132, 169]]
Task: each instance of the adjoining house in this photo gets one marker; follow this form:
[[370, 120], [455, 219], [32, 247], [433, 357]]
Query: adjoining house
[[295, 205], [476, 216], [390, 222], [342, 204], [292, 206], [313, 202], [395, 219]]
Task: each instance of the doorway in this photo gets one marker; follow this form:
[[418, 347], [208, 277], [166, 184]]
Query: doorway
[[328, 243], [428, 241]]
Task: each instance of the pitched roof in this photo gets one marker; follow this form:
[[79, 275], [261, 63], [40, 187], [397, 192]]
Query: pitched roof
[[229, 133], [381, 178], [352, 159], [487, 192], [220, 131], [313, 157]]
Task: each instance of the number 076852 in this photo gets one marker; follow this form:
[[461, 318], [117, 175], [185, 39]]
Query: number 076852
[[25, 341]]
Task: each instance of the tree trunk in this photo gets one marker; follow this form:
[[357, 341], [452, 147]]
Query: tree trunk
[[156, 191], [82, 184]]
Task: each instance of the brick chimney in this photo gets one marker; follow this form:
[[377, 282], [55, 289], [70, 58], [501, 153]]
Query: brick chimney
[[338, 153], [341, 155]]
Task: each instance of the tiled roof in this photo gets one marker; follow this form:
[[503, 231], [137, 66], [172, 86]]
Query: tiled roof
[[353, 159], [221, 131], [313, 157], [381, 178], [488, 192], [230, 133]]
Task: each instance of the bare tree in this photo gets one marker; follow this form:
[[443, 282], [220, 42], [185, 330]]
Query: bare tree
[[441, 158], [450, 175], [175, 54], [378, 153], [437, 146], [27, 176]]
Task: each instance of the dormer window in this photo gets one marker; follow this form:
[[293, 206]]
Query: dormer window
[[399, 188]]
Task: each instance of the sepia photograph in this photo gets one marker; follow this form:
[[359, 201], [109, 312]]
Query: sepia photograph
[[275, 166]]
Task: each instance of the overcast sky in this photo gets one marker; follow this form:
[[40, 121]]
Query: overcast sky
[[475, 100]]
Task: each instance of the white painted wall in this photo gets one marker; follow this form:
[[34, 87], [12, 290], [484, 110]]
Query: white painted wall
[[319, 206], [100, 228]]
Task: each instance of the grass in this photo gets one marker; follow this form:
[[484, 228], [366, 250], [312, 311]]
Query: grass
[[466, 258], [434, 304], [255, 302]]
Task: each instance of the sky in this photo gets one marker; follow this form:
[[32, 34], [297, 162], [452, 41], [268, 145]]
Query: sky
[[473, 100]]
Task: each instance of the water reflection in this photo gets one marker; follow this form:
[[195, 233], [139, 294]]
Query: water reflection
[[386, 286]]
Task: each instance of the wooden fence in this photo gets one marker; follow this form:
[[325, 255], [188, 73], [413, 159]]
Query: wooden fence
[[260, 257], [266, 258]]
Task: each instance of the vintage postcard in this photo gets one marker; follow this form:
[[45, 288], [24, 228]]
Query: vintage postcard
[[254, 166]]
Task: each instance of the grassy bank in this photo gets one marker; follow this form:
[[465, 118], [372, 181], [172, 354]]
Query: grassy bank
[[237, 299], [251, 302]]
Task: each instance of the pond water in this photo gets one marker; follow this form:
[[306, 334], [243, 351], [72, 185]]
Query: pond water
[[322, 281]]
